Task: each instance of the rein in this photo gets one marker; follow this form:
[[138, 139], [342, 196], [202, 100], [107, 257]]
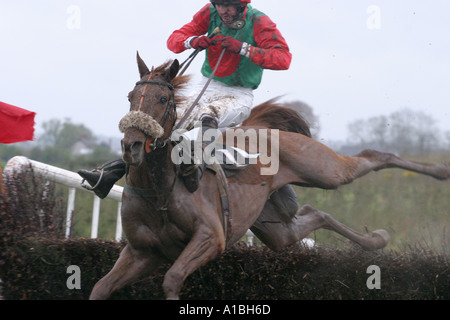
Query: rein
[[186, 114], [196, 52]]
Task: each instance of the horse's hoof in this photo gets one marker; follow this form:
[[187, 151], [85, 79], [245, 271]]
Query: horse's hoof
[[444, 173], [381, 238]]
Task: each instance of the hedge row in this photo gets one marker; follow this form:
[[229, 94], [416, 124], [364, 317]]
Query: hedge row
[[37, 269]]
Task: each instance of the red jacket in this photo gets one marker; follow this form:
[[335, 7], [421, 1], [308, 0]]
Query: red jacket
[[269, 50]]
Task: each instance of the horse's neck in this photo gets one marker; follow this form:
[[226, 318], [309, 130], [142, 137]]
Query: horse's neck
[[155, 173]]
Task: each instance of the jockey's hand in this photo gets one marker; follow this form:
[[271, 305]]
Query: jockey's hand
[[232, 45], [202, 42]]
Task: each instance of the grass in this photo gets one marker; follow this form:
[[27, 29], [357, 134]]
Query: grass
[[82, 215]]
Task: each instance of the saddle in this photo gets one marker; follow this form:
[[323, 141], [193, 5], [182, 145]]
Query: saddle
[[228, 161], [232, 159]]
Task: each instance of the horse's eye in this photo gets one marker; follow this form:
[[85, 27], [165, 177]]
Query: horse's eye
[[163, 100]]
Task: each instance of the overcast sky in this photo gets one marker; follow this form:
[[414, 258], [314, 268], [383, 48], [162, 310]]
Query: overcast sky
[[352, 59]]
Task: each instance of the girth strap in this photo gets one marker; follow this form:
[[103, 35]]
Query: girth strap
[[224, 192]]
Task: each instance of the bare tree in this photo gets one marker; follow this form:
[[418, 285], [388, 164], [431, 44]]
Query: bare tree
[[447, 137], [414, 132], [372, 132], [307, 113], [404, 131]]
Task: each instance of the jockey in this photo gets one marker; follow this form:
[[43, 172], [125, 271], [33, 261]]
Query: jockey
[[252, 43]]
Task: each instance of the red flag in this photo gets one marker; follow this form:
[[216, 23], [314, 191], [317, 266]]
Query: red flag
[[16, 124]]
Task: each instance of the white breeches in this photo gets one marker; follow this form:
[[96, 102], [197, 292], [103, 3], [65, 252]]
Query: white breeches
[[231, 105]]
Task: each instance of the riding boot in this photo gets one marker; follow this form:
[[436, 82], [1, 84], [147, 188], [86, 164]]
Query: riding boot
[[193, 173], [103, 179]]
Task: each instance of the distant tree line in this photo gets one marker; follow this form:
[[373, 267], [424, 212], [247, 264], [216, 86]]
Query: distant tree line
[[402, 132]]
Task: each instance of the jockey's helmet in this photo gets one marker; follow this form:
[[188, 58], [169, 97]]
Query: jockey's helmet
[[231, 2], [240, 4]]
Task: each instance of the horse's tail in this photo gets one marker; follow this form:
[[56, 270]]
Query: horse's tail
[[274, 115]]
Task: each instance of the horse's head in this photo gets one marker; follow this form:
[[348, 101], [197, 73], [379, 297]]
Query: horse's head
[[152, 114]]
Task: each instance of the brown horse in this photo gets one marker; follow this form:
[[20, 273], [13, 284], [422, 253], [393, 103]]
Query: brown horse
[[164, 223]]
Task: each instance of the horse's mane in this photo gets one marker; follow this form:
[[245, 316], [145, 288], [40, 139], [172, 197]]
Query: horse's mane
[[276, 116]]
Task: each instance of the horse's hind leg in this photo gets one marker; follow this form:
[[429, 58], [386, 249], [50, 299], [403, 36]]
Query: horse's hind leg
[[130, 266], [309, 163], [374, 160], [277, 234]]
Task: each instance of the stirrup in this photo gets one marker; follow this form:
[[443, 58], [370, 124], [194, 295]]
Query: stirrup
[[88, 187]]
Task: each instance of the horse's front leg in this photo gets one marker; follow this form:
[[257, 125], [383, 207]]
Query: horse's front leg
[[204, 246], [130, 266]]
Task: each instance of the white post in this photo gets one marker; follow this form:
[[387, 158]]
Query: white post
[[95, 217], [119, 223], [70, 207], [250, 236]]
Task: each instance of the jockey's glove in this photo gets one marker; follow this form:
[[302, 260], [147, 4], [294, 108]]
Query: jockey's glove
[[235, 46], [202, 42], [232, 45]]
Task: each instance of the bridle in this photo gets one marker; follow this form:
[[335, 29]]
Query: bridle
[[171, 109], [151, 143]]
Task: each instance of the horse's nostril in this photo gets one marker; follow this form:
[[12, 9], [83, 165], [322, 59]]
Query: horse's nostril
[[136, 146]]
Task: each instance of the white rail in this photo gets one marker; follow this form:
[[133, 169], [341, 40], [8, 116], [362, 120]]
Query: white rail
[[73, 182]]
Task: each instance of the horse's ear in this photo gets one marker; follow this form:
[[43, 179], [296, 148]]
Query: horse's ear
[[173, 71], [143, 70]]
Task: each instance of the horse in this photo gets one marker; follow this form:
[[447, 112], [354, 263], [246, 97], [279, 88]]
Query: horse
[[166, 224]]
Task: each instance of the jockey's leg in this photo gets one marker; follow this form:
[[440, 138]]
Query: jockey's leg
[[103, 179], [193, 172], [221, 106]]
